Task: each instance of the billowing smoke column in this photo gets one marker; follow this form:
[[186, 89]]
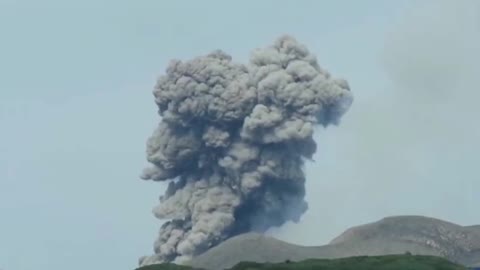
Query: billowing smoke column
[[232, 143]]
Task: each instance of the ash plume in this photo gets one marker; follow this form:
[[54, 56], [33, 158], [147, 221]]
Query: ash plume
[[232, 143]]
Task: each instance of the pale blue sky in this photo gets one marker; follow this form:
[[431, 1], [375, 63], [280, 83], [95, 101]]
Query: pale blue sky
[[76, 108]]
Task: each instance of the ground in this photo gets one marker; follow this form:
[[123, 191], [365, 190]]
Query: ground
[[390, 262]]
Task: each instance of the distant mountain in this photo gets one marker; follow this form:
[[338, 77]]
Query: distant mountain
[[392, 235]]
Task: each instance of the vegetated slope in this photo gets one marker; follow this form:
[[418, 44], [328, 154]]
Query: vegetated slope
[[392, 262], [393, 235]]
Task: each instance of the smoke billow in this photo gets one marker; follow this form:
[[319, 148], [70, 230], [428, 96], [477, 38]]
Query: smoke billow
[[232, 142]]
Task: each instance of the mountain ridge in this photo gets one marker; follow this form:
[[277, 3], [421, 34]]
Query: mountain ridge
[[391, 235]]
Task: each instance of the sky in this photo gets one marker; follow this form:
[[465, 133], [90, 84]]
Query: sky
[[76, 108]]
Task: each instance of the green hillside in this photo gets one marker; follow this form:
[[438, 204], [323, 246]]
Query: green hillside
[[390, 262]]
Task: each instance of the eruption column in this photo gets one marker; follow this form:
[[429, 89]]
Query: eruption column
[[232, 143]]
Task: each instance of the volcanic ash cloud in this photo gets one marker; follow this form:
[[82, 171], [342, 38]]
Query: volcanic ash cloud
[[232, 143]]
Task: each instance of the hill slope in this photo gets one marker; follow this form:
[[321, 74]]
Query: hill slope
[[474, 228], [393, 235], [392, 262]]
